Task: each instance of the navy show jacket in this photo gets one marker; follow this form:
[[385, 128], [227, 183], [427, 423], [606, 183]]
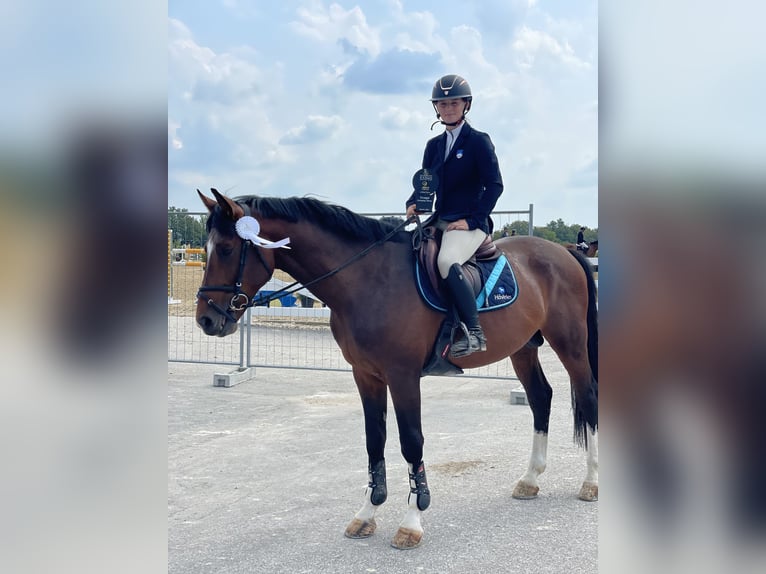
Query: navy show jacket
[[469, 179]]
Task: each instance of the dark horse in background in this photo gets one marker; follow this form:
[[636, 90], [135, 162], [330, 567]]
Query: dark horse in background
[[388, 343], [590, 252]]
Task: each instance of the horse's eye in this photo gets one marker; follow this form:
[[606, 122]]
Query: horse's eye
[[224, 250]]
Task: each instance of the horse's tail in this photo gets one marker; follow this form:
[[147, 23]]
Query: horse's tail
[[592, 317], [592, 323]]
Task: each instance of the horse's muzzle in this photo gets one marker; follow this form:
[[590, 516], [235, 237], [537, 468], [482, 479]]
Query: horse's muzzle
[[217, 326]]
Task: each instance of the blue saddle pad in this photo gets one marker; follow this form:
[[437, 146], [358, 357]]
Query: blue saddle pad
[[498, 286]]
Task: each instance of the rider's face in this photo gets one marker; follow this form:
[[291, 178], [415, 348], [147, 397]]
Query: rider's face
[[450, 110]]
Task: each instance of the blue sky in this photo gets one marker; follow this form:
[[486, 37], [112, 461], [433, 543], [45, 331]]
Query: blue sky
[[331, 98]]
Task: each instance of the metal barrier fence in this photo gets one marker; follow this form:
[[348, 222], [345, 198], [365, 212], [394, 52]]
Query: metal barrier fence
[[293, 333]]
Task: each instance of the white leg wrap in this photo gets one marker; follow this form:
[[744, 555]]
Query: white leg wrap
[[538, 459], [368, 510], [411, 520], [592, 457]]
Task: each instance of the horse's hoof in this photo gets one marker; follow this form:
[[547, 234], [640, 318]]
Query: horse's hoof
[[588, 492], [405, 539], [524, 491], [361, 528]]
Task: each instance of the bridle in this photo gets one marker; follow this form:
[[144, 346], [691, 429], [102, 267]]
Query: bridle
[[241, 301]]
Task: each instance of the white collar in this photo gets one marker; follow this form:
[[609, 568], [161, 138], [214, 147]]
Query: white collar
[[452, 138]]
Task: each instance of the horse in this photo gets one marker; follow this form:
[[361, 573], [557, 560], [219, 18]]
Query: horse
[[344, 257], [590, 252]]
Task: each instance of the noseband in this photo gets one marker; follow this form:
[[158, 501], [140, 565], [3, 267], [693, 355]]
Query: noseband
[[239, 299]]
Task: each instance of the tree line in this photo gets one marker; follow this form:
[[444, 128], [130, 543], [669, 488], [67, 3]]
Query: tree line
[[189, 229], [557, 231]]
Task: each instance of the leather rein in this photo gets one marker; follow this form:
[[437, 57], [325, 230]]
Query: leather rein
[[241, 301]]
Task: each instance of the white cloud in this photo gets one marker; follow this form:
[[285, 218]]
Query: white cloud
[[396, 118], [585, 174], [532, 162], [415, 31], [175, 141], [316, 128], [329, 25], [223, 78], [216, 100], [185, 54], [467, 43], [392, 72], [530, 44]]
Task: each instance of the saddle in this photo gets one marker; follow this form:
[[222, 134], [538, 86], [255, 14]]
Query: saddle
[[489, 273], [429, 251]]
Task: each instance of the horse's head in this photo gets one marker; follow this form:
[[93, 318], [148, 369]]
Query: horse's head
[[236, 268]]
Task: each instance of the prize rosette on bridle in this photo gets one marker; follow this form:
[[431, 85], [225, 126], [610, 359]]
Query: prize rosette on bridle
[[248, 228]]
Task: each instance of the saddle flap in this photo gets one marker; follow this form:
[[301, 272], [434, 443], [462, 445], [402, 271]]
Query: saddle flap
[[429, 252], [487, 250]]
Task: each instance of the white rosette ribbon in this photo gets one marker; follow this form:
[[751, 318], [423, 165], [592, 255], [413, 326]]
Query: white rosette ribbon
[[248, 229]]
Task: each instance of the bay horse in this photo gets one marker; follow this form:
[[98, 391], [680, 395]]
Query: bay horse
[[346, 257], [590, 252]]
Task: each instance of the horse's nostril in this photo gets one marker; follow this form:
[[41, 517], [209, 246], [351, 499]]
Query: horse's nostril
[[204, 322]]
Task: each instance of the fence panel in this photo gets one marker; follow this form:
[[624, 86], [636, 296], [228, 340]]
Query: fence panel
[[186, 342]]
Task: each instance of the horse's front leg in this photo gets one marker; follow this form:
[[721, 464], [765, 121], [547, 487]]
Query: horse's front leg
[[405, 394], [374, 401]]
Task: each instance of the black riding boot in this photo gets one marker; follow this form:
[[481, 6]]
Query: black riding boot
[[465, 303]]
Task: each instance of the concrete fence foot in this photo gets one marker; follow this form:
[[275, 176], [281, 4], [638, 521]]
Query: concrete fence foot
[[234, 378]]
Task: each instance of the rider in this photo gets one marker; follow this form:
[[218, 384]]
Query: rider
[[581, 244], [469, 185]]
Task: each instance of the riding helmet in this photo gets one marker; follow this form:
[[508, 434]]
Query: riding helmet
[[449, 87]]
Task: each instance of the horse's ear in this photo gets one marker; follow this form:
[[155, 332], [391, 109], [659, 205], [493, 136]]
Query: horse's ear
[[209, 203], [230, 207]]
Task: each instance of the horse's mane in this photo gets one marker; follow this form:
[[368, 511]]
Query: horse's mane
[[334, 218]]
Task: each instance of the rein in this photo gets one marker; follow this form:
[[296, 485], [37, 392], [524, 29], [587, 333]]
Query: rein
[[240, 301], [296, 286]]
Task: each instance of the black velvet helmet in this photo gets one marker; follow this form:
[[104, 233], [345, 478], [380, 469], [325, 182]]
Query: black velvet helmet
[[449, 87]]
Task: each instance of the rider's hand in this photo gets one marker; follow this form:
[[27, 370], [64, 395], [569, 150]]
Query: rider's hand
[[460, 224], [411, 211]]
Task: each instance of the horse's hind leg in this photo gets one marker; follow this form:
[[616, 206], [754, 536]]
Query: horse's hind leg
[[374, 401], [574, 357], [589, 488], [539, 393]]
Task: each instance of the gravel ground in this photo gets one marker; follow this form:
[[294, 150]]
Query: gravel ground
[[264, 477]]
